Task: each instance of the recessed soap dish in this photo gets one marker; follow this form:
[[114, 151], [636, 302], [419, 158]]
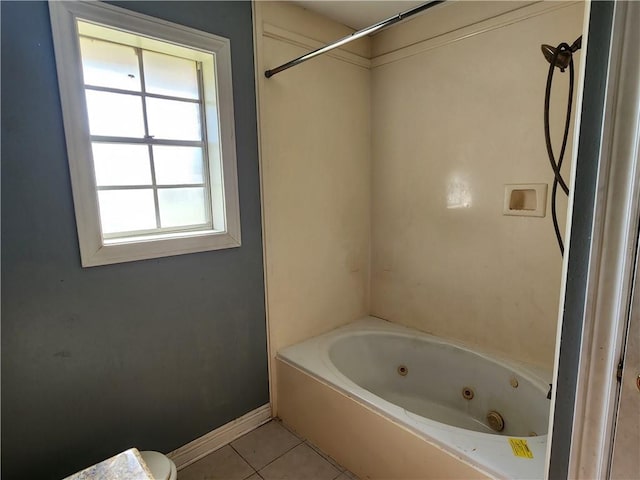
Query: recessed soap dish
[[526, 200]]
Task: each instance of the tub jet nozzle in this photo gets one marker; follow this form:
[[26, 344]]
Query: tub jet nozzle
[[495, 421]]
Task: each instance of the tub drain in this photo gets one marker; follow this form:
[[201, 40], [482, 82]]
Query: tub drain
[[403, 370], [495, 421]]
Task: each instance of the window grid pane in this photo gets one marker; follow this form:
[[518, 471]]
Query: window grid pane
[[149, 141], [114, 114], [170, 75], [178, 165], [121, 164], [109, 64], [175, 201], [126, 210]]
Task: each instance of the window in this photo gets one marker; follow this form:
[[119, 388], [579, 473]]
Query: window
[[148, 116]]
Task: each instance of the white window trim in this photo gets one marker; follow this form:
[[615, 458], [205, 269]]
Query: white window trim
[[93, 251]]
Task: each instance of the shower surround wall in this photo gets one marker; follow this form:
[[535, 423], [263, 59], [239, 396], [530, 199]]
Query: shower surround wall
[[315, 167], [454, 119], [363, 148]]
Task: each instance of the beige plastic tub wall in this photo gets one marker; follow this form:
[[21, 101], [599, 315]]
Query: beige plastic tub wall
[[455, 119], [358, 438], [316, 176]]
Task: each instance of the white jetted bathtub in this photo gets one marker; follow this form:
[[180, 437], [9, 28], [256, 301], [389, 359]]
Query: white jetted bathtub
[[477, 407]]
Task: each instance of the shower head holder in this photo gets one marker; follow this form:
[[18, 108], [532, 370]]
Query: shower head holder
[[561, 55], [560, 58]]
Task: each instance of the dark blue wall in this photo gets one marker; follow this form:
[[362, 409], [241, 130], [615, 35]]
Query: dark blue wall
[[149, 354]]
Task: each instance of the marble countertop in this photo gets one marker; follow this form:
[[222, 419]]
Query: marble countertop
[[127, 465]]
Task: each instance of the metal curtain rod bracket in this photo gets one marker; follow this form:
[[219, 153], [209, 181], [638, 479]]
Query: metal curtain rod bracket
[[354, 36]]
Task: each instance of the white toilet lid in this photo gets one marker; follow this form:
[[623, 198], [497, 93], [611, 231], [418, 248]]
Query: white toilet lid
[[159, 465]]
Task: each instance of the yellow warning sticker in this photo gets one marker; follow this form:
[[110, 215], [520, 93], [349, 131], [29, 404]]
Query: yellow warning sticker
[[520, 448]]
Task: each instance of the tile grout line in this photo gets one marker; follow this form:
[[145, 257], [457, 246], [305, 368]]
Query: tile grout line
[[326, 456], [244, 460], [303, 441], [300, 442], [279, 422], [315, 448], [256, 473], [324, 459], [279, 456]]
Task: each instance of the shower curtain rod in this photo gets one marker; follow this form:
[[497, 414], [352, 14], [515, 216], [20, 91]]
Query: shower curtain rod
[[354, 36]]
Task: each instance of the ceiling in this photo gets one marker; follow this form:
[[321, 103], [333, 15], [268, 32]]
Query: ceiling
[[358, 14]]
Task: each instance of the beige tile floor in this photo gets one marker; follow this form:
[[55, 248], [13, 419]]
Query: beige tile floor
[[270, 452]]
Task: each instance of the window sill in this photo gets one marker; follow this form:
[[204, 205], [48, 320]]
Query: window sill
[[144, 248]]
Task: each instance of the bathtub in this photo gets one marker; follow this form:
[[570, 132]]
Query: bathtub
[[447, 394]]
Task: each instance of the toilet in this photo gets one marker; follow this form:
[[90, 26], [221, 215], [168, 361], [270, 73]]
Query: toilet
[[161, 467]]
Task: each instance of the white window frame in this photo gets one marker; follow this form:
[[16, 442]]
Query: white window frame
[[93, 249]]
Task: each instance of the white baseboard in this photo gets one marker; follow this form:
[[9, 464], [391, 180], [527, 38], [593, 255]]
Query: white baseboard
[[212, 441]]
